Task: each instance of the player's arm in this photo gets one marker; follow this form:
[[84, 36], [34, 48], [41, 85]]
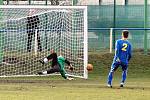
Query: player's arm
[[117, 51], [47, 59], [130, 54], [51, 56], [68, 63]]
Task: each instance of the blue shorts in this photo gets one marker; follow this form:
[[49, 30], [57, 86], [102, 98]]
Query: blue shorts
[[115, 66]]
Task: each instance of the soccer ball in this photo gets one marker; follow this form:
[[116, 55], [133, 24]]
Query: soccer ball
[[89, 67]]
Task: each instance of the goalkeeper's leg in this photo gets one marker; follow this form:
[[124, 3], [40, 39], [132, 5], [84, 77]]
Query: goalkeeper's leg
[[54, 69]]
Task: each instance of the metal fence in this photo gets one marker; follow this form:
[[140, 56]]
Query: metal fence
[[127, 15]]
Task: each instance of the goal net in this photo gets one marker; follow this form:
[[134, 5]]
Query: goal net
[[28, 33]]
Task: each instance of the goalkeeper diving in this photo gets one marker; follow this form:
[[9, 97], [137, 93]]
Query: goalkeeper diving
[[57, 65]]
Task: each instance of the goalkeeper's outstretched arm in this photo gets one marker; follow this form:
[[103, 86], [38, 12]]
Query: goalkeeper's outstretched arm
[[52, 56], [70, 66]]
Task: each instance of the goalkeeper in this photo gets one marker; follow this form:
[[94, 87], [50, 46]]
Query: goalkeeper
[[57, 65]]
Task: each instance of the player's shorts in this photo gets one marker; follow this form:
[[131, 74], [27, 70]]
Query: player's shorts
[[115, 66], [54, 69], [57, 68]]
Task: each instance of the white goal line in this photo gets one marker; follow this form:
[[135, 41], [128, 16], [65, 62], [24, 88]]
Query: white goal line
[[34, 75]]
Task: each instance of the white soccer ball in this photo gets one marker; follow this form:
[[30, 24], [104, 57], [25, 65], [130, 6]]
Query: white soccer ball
[[45, 60]]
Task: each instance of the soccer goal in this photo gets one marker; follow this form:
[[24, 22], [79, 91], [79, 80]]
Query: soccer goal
[[28, 33]]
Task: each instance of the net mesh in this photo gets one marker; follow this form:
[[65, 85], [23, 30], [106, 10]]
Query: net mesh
[[28, 35]]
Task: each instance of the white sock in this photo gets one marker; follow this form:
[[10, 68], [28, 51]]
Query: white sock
[[122, 83], [45, 72]]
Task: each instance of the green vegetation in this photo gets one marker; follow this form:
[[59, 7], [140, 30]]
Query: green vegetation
[[56, 88], [139, 66]]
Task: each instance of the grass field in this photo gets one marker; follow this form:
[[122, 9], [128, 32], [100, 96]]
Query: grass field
[[56, 88]]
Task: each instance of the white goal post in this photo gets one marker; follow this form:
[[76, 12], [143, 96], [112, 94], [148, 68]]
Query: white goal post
[[28, 33], [111, 40]]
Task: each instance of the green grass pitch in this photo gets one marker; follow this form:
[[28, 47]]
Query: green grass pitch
[[137, 86]]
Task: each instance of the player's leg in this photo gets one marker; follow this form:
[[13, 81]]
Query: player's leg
[[29, 42], [124, 74], [39, 42], [63, 73], [114, 67], [54, 69]]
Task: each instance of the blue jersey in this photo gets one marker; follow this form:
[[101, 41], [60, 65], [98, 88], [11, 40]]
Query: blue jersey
[[123, 51]]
